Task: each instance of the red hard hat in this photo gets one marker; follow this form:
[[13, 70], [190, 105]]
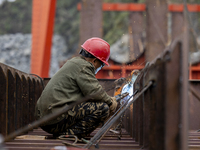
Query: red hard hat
[[98, 48]]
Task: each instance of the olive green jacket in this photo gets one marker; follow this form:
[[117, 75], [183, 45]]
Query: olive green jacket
[[75, 80]]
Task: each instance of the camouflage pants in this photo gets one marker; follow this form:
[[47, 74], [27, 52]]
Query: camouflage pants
[[81, 120]]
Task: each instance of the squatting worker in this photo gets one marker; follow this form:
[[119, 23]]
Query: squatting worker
[[75, 80]]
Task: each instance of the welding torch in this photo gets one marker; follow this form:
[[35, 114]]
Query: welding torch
[[121, 96]]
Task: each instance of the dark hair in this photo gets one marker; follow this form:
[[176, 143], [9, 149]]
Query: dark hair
[[86, 54]]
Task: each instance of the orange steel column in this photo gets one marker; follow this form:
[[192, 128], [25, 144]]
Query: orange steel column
[[43, 15]]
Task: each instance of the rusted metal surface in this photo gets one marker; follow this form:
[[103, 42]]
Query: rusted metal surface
[[177, 24], [173, 98], [110, 141], [136, 30], [157, 126], [184, 76], [154, 120], [194, 105], [16, 98], [151, 122], [156, 28], [91, 20], [3, 105]]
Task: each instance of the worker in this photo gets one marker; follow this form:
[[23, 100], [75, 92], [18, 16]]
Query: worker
[[75, 80]]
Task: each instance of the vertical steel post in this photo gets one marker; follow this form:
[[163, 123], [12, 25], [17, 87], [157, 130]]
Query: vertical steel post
[[177, 24], [146, 118], [156, 28], [3, 111], [17, 98], [173, 99], [141, 112], [91, 19], [11, 102], [19, 105], [31, 100], [136, 30], [184, 79], [25, 100], [42, 31]]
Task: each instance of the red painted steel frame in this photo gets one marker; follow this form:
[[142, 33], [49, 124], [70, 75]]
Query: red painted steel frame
[[42, 30], [142, 7], [195, 72], [180, 7], [115, 71], [120, 7], [43, 15]]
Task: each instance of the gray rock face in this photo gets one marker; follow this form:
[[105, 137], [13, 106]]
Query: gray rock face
[[119, 51], [15, 50]]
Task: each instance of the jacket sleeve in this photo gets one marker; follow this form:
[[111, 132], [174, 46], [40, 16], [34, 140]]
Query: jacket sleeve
[[89, 85]]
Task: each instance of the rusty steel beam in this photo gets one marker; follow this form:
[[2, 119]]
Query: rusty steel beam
[[184, 83], [15, 110], [136, 116], [25, 99], [173, 98], [146, 123], [3, 104], [91, 20], [141, 119], [177, 25], [157, 36], [194, 105], [11, 101], [32, 101], [136, 29], [155, 124], [164, 121], [19, 92]]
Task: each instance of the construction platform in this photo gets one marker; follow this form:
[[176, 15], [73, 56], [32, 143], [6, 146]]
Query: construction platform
[[163, 114], [40, 140]]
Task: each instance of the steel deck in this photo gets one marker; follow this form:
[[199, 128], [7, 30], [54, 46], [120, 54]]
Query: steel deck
[[110, 141]]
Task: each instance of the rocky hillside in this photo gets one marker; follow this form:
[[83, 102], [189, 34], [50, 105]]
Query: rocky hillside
[[15, 50]]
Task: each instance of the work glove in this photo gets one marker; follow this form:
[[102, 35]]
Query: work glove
[[119, 82], [113, 106]]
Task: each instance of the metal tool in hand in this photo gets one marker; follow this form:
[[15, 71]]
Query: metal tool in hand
[[121, 96], [127, 88]]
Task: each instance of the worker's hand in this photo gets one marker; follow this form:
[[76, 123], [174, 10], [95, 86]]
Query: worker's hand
[[113, 106]]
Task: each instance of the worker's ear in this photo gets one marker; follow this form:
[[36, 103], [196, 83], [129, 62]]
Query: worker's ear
[[95, 59]]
